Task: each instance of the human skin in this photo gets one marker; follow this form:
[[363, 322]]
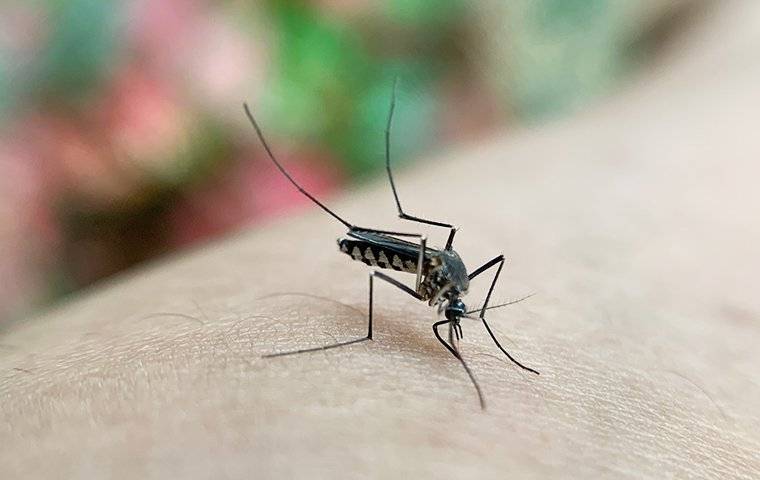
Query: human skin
[[635, 224]]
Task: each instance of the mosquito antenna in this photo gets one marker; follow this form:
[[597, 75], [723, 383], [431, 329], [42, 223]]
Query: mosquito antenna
[[284, 172], [501, 304], [388, 145]]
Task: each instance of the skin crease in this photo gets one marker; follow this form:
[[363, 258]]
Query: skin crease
[[635, 223]]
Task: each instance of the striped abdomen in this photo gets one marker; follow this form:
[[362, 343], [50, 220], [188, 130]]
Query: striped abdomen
[[377, 255]]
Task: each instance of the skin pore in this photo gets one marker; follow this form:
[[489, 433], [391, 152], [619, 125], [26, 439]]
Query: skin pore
[[635, 223]]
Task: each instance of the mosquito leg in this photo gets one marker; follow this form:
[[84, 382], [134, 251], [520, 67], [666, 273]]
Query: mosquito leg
[[315, 349], [279, 166], [393, 282], [420, 263], [311, 197], [372, 275], [458, 356], [401, 213], [500, 262]]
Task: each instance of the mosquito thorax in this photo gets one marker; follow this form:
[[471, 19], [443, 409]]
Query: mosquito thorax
[[446, 279], [454, 270]]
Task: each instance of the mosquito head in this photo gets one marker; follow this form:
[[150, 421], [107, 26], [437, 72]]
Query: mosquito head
[[455, 309]]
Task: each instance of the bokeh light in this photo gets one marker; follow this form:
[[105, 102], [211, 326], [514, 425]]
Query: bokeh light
[[122, 135]]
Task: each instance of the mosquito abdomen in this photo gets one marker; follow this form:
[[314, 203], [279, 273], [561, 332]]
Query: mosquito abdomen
[[376, 256]]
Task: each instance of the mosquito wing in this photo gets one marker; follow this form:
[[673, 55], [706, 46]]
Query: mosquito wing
[[384, 251]]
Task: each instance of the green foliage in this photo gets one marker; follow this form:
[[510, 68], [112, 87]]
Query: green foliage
[[81, 48], [329, 88], [428, 14], [564, 52], [317, 60], [413, 121]]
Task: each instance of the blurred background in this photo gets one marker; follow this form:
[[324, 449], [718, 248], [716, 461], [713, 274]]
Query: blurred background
[[122, 136]]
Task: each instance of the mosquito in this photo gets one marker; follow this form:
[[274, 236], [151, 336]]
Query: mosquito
[[441, 276]]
